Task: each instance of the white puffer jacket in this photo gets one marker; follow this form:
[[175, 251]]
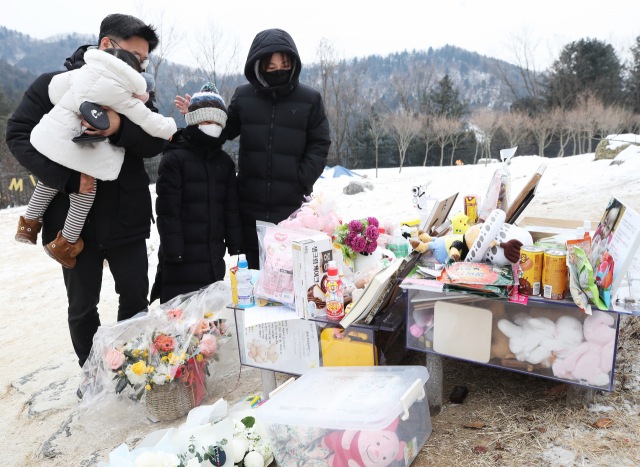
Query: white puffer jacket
[[104, 80]]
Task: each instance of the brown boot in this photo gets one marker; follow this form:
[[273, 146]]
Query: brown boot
[[63, 252], [28, 231]]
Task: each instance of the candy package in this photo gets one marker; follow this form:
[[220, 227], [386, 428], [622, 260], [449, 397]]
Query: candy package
[[477, 274]]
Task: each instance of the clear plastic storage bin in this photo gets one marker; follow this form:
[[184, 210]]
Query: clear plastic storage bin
[[547, 339], [332, 417]]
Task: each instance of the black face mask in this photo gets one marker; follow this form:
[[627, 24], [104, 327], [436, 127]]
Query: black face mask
[[277, 77]]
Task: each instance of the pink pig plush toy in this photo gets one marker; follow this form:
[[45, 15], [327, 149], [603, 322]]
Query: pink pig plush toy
[[592, 360], [364, 448]]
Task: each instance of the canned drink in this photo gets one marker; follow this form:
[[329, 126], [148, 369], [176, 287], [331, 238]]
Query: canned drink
[[554, 274], [531, 261]]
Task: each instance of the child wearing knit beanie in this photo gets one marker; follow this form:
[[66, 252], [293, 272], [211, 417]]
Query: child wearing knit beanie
[[207, 110]]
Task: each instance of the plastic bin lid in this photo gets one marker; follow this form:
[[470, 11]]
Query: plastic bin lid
[[343, 398]]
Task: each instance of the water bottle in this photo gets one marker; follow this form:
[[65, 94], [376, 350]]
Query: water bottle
[[245, 288], [398, 244]]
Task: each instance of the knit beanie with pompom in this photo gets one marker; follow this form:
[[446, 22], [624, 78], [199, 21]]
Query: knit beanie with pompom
[[207, 106]]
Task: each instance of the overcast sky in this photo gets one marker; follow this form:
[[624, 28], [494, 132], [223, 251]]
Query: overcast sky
[[357, 28]]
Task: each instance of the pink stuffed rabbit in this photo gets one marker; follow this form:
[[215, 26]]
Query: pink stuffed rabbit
[[592, 360]]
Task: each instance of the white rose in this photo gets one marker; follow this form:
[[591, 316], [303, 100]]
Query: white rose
[[240, 447], [253, 459]]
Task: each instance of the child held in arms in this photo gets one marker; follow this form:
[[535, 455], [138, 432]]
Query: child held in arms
[[197, 204], [110, 78]]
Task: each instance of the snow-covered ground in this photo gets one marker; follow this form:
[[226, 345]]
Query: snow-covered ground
[[33, 320]]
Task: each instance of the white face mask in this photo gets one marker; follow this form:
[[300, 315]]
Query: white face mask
[[211, 130]]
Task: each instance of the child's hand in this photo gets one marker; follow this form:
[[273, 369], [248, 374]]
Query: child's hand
[[86, 183], [182, 103]]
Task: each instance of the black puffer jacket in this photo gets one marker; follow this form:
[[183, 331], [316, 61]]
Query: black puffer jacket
[[121, 212], [197, 209], [284, 138]]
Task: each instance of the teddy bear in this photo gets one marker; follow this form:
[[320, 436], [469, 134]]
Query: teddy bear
[[592, 360], [364, 448], [526, 335]]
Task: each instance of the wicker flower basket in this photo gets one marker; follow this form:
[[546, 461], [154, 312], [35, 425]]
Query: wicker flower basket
[[169, 401]]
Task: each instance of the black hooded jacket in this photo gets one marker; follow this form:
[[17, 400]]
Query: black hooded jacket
[[284, 138], [197, 209], [121, 212]]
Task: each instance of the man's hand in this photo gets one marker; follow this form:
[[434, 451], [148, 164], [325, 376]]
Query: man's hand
[[114, 120], [86, 183], [182, 103]]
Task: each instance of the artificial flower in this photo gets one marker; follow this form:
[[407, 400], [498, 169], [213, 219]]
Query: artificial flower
[[373, 221], [139, 368], [114, 359], [359, 244], [370, 247], [372, 233], [133, 377], [174, 314], [355, 226], [208, 345]]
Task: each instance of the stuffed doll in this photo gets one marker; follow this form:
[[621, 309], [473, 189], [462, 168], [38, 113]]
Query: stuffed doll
[[567, 335], [443, 248], [364, 448], [460, 223], [592, 360], [423, 319], [499, 342], [526, 335]]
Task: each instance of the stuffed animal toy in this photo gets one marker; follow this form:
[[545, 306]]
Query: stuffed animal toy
[[592, 360], [499, 342], [423, 319], [526, 335], [364, 448], [567, 335], [460, 223], [443, 248]]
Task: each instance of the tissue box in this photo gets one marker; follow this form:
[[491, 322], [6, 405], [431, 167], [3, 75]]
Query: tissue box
[[379, 413], [311, 258]]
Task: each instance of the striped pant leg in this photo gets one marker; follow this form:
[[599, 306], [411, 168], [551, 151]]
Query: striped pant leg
[[39, 202], [80, 205]]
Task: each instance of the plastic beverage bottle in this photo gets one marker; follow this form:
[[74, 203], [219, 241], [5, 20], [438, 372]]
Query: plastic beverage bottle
[[382, 239], [245, 288], [398, 244], [334, 297]]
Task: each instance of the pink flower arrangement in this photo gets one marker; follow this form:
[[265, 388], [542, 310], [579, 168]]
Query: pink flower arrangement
[[174, 314], [208, 345], [200, 327], [114, 359], [359, 236]]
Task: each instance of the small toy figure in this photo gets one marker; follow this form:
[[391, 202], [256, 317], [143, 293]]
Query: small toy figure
[[460, 223], [443, 248]]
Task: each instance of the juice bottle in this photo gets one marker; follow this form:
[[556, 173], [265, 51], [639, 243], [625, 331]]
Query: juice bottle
[[334, 297]]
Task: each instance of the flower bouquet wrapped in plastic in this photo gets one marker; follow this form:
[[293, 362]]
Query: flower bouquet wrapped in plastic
[[163, 357]]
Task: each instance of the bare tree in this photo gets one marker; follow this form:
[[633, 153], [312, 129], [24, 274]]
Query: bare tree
[[376, 130], [426, 134], [403, 128], [516, 126], [411, 86], [339, 83], [528, 82], [542, 128], [485, 122], [559, 123], [175, 81], [218, 56], [456, 135], [443, 130]]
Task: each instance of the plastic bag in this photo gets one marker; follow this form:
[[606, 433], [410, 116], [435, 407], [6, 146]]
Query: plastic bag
[[318, 213], [483, 274], [176, 343], [499, 193], [276, 260]]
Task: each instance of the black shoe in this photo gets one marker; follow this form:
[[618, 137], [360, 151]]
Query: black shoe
[[95, 116], [85, 139]]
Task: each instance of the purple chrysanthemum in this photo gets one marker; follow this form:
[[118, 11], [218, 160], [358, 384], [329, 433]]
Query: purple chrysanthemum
[[371, 247], [359, 244], [373, 221], [350, 238], [355, 226], [372, 233]]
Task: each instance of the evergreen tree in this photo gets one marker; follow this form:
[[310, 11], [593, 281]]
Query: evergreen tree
[[633, 85], [585, 66], [444, 100]]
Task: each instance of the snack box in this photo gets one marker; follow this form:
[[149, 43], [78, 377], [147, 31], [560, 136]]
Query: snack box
[[376, 413], [311, 258], [540, 227]]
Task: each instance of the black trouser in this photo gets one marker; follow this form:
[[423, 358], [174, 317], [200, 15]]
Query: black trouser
[[253, 258], [128, 264]]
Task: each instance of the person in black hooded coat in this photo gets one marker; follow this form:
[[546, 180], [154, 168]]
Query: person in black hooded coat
[[284, 137], [197, 204]]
